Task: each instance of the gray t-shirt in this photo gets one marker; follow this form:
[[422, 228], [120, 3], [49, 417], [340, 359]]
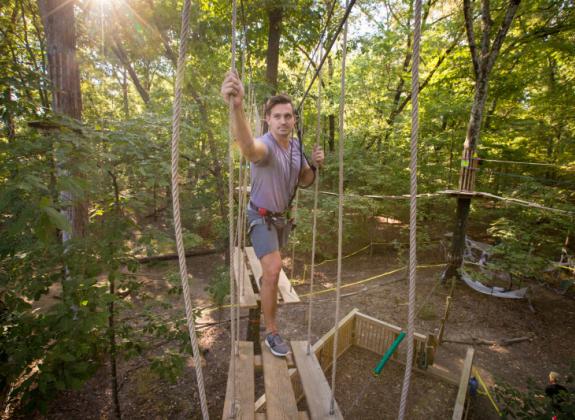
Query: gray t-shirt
[[274, 177]]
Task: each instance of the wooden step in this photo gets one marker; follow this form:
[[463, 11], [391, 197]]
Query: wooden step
[[245, 388], [245, 290], [314, 383], [259, 366], [302, 415], [286, 292], [280, 397]]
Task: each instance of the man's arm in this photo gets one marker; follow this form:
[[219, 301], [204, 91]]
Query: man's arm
[[307, 174], [233, 93]]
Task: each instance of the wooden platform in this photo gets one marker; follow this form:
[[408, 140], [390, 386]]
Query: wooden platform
[[305, 373], [250, 265], [281, 402]]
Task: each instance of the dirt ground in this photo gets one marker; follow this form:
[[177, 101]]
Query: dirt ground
[[359, 394]]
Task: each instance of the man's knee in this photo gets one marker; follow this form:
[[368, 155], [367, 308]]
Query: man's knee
[[271, 266]]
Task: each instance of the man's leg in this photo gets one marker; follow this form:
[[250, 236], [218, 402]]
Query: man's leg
[[271, 267]]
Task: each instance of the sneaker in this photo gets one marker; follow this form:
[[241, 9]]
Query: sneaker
[[277, 345]]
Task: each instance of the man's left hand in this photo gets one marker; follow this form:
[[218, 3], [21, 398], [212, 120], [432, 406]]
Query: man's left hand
[[317, 156]]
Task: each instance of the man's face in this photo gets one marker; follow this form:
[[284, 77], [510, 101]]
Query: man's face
[[281, 120]]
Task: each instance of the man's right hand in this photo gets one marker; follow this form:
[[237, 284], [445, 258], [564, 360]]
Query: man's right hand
[[233, 89]]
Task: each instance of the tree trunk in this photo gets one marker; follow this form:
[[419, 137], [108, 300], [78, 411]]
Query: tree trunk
[[111, 309], [59, 27], [483, 62], [7, 116], [275, 15], [331, 116], [125, 97], [123, 57]]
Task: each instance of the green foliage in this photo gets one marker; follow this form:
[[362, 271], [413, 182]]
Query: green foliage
[[533, 403], [169, 366], [219, 288]]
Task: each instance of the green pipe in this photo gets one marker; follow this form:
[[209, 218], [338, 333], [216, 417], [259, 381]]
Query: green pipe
[[389, 353]]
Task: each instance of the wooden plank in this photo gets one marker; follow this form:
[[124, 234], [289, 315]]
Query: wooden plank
[[280, 398], [258, 361], [255, 264], [433, 371], [245, 385], [302, 415], [286, 292], [245, 290], [314, 382], [463, 384]]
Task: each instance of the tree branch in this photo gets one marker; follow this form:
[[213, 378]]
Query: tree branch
[[505, 25], [468, 15], [486, 31]]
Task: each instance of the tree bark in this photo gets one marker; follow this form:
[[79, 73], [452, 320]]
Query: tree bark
[[59, 27]]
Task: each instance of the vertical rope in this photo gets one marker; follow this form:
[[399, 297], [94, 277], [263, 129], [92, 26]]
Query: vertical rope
[[340, 216], [412, 207], [315, 199], [295, 208], [176, 203], [238, 244], [233, 337]]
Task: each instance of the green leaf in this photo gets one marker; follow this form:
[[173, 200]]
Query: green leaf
[[58, 219]]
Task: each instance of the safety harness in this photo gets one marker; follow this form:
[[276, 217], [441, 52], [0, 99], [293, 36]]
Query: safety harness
[[283, 218]]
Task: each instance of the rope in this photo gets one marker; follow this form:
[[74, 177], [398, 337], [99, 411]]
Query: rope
[[177, 107], [233, 309], [340, 216], [314, 227], [412, 208], [240, 272]]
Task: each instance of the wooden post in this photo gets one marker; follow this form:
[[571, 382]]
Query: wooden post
[[458, 410], [253, 330], [469, 167], [444, 320]]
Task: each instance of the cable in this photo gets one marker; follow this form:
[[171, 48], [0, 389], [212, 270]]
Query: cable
[[327, 51], [321, 37], [517, 162]]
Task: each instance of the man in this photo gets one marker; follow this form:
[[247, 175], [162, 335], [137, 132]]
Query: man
[[278, 166]]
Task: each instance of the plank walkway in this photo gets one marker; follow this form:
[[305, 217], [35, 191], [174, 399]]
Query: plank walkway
[[249, 296], [314, 383], [245, 384], [281, 402]]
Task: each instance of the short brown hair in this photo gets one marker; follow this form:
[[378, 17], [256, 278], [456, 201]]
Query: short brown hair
[[276, 100]]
